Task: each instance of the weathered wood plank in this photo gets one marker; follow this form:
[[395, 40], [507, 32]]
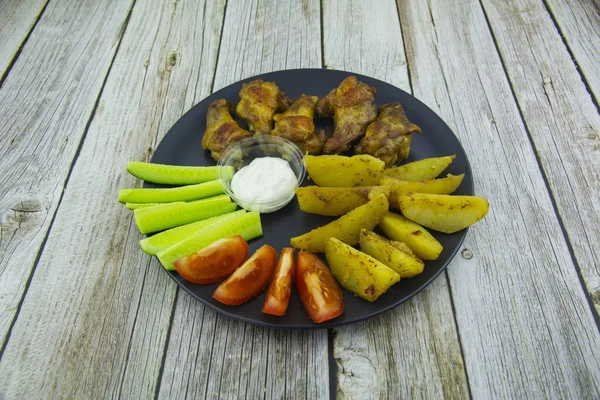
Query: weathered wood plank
[[17, 18], [363, 38], [562, 119], [418, 340], [97, 314], [216, 356], [47, 101], [579, 22], [525, 325]]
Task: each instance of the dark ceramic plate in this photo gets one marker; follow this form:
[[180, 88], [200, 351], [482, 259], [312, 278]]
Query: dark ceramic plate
[[181, 146]]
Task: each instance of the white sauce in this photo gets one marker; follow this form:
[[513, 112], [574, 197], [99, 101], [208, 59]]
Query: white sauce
[[264, 180]]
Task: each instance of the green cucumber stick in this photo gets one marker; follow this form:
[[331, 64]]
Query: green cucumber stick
[[169, 195], [170, 215], [247, 225], [176, 174], [153, 244], [133, 206]]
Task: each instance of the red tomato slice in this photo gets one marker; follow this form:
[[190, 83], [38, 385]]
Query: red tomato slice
[[248, 280], [215, 262], [280, 289], [319, 292]]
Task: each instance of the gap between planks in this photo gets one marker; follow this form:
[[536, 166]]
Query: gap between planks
[[537, 156], [71, 166], [12, 62]]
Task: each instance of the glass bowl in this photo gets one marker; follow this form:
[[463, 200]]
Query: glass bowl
[[243, 152]]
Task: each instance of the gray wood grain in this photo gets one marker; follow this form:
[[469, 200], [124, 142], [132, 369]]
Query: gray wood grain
[[579, 22], [363, 38], [525, 325], [95, 321], [554, 100], [47, 101], [413, 350], [17, 18], [214, 356]]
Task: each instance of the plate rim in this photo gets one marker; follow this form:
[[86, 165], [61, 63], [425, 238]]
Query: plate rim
[[333, 323]]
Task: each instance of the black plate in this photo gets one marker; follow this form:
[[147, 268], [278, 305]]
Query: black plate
[[181, 146]]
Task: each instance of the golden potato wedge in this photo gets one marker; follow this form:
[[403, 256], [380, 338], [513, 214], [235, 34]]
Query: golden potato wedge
[[346, 228], [358, 272], [342, 171], [382, 250], [400, 228], [445, 185], [443, 213], [403, 247], [422, 170], [336, 201]]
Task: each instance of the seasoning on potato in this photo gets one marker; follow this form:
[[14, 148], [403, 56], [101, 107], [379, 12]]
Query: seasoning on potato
[[445, 185], [443, 213], [397, 227], [336, 201], [390, 253], [346, 228], [342, 171], [358, 272], [421, 170]]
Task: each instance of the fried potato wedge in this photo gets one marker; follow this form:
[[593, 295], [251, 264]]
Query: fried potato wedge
[[443, 213], [336, 201], [445, 185], [422, 170], [358, 272], [400, 228], [346, 228], [342, 171], [385, 251]]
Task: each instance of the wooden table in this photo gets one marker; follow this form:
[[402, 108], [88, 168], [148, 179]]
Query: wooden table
[[87, 85]]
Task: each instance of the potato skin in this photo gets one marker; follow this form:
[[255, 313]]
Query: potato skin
[[422, 170], [346, 228], [445, 185], [342, 171], [400, 228], [336, 201], [384, 251], [358, 272], [443, 213]]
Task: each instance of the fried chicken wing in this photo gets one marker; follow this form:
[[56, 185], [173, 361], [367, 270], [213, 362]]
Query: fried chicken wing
[[352, 106], [325, 106], [296, 125], [315, 142], [389, 136], [221, 129], [259, 100]]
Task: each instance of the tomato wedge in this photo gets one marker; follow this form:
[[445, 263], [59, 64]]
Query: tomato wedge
[[214, 262], [280, 289], [319, 292], [248, 280]]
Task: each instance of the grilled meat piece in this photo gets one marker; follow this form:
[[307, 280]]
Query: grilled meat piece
[[221, 129], [389, 136], [352, 106], [296, 125], [259, 102]]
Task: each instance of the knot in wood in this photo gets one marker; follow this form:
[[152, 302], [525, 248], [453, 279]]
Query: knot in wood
[[172, 59], [24, 212]]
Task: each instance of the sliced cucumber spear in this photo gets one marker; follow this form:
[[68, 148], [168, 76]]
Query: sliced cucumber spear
[[176, 174], [165, 216], [133, 206], [182, 193], [163, 240], [247, 225]]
